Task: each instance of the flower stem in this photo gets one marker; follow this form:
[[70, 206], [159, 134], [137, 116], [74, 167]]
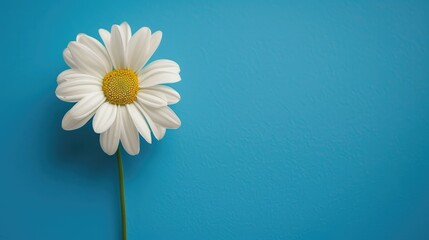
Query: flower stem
[[122, 193]]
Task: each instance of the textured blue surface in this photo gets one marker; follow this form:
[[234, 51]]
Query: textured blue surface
[[301, 120]]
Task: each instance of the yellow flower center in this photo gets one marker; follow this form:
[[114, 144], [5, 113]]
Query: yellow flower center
[[120, 86]]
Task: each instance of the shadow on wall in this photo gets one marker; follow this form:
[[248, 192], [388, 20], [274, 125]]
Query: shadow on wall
[[71, 158], [76, 152]]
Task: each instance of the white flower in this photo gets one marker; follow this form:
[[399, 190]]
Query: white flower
[[112, 84]]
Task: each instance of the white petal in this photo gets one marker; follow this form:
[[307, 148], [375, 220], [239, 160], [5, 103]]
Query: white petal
[[71, 75], [159, 72], [105, 36], [126, 33], [155, 40], [158, 78], [162, 131], [138, 49], [70, 123], [104, 117], [87, 105], [117, 48], [162, 64], [73, 91], [156, 129], [139, 122], [164, 117], [151, 100], [129, 134], [68, 58], [170, 95], [62, 76], [86, 60], [109, 140], [97, 48]]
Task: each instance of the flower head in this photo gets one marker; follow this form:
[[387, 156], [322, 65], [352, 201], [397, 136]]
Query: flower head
[[112, 84]]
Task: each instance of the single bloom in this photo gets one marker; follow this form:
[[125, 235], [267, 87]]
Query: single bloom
[[112, 84]]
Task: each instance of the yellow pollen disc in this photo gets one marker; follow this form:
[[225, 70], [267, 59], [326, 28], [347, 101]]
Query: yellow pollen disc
[[120, 86]]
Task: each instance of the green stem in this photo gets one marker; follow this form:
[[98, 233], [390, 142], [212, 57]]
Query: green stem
[[121, 188]]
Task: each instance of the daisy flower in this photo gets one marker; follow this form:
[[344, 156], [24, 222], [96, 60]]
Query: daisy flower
[[114, 85]]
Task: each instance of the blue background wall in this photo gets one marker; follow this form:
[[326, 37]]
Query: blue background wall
[[301, 120]]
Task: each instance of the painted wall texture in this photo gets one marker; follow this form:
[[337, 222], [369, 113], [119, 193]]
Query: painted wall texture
[[300, 120]]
